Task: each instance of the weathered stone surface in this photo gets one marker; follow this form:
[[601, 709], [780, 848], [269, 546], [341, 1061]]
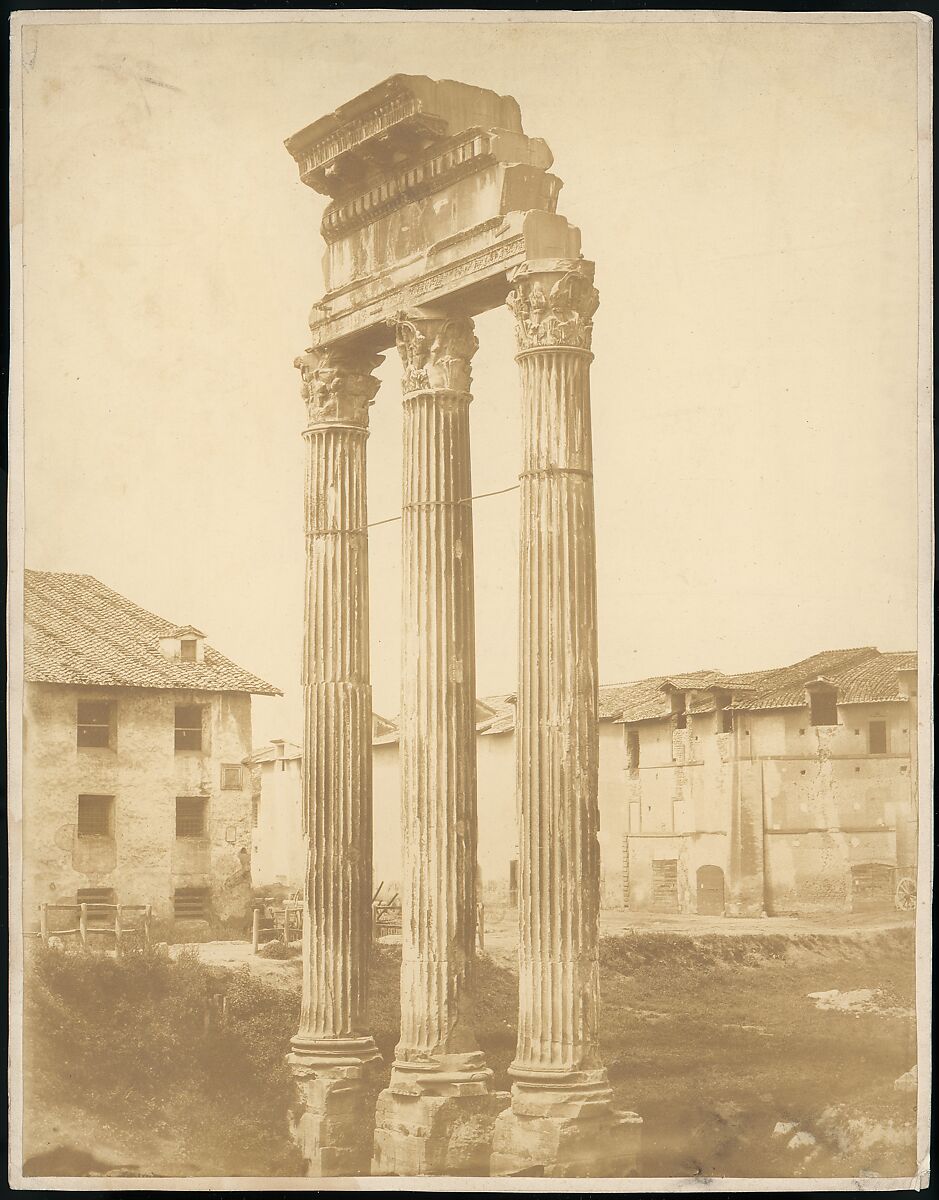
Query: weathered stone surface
[[425, 1134], [440, 206], [436, 192], [605, 1146], [332, 1048], [439, 1072], [561, 1119]]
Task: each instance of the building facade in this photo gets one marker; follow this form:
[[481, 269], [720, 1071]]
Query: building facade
[[278, 854], [790, 790], [787, 791], [135, 734], [278, 848]]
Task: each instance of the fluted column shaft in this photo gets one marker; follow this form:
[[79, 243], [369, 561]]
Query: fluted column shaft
[[337, 776], [438, 701], [557, 720]]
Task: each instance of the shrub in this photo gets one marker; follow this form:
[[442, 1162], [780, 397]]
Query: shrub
[[145, 1040]]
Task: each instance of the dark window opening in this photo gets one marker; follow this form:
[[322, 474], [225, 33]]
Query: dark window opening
[[187, 649], [877, 737], [191, 904], [678, 709], [94, 723], [190, 816], [665, 885], [95, 816], [632, 751], [188, 726], [824, 708], [727, 721], [231, 778], [100, 903]]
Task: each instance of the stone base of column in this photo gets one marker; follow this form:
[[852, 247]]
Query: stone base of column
[[333, 1120], [436, 1124], [565, 1136]]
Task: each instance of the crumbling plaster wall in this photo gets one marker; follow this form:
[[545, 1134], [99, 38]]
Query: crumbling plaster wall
[[144, 861]]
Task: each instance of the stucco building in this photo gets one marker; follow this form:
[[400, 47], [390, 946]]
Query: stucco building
[[278, 849], [786, 790], [135, 734], [278, 853]]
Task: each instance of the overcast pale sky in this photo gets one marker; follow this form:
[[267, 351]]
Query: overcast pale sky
[[749, 194]]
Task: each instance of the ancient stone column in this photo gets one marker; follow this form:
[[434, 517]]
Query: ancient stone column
[[436, 1115], [561, 1121], [333, 1053]]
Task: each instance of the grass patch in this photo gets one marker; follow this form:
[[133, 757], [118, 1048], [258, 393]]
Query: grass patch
[[711, 1039]]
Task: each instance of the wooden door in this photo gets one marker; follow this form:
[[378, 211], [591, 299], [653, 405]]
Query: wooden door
[[710, 891]]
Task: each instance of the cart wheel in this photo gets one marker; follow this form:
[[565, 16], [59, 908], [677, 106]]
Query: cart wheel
[[906, 895]]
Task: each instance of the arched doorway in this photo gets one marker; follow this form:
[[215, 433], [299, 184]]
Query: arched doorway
[[710, 891]]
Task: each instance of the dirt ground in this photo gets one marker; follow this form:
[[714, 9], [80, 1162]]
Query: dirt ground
[[749, 1048]]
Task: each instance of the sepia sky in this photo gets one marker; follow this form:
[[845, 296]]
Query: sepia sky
[[749, 194]]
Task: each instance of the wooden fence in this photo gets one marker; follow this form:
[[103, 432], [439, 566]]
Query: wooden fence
[[283, 922], [116, 927]]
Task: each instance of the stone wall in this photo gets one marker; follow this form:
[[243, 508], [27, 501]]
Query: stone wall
[[497, 814], [279, 849], [798, 808], [143, 861]]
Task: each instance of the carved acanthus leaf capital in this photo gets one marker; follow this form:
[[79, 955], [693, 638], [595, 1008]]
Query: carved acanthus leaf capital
[[435, 353], [554, 308], [337, 385]]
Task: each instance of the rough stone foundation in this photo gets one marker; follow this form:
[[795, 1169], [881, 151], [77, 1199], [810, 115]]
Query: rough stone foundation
[[417, 1133], [605, 1146], [334, 1119]]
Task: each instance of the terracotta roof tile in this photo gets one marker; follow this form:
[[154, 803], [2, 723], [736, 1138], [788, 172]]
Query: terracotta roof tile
[[77, 631], [863, 675]]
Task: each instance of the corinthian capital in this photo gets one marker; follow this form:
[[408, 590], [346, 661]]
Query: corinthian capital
[[553, 305], [337, 385], [435, 353]]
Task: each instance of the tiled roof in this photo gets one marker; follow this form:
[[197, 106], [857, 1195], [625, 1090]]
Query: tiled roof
[[271, 753], [901, 660], [498, 710], [77, 631], [862, 676]]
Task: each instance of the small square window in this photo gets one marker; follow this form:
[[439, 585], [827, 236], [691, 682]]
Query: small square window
[[187, 650], [190, 816], [95, 816], [231, 777], [94, 723], [188, 726]]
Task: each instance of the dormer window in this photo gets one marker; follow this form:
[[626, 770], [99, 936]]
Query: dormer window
[[185, 644], [823, 705], [678, 710]]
